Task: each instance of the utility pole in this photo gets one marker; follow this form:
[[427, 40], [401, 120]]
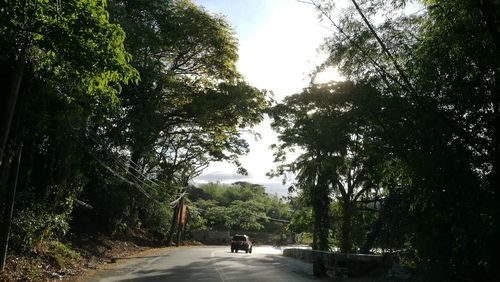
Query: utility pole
[[181, 220], [175, 215], [178, 219], [179, 214], [9, 208]]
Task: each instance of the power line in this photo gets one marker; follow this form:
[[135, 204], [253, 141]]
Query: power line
[[174, 203], [120, 161], [134, 184], [124, 166]]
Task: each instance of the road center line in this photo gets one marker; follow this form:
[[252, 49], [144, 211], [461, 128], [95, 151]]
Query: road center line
[[219, 271]]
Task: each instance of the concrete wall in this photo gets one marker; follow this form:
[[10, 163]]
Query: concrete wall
[[214, 237], [340, 265], [211, 237]]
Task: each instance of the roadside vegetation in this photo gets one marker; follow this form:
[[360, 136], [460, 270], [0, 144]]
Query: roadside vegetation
[[404, 154], [237, 208], [110, 108]]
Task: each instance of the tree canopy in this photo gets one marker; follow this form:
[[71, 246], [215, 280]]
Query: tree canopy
[[428, 127], [115, 106], [240, 207]]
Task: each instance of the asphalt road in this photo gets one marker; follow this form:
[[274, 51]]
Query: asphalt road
[[209, 264]]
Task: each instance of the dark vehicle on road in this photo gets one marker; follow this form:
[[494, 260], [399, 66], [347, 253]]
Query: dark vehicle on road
[[241, 242]]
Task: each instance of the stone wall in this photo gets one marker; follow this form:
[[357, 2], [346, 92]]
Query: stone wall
[[216, 237], [211, 237], [339, 264]]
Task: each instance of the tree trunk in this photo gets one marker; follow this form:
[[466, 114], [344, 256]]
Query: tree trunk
[[170, 238], [321, 218], [345, 240], [372, 236]]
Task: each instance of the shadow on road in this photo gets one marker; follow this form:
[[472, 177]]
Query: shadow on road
[[239, 267]]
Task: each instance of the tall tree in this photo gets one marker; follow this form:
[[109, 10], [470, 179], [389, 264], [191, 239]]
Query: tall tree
[[190, 90], [434, 68], [334, 130], [189, 106], [65, 61]]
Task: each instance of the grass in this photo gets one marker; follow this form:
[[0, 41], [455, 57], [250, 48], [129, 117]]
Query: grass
[[64, 251]]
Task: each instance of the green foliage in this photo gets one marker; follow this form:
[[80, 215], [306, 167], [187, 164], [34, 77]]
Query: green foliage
[[71, 61], [191, 101], [72, 45], [301, 218], [195, 219], [216, 217], [34, 273], [226, 195], [239, 207], [245, 216], [185, 112], [332, 125], [304, 238], [435, 112], [41, 222], [62, 250], [123, 150]]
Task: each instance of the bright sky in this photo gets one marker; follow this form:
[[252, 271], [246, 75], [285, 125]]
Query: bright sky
[[278, 41]]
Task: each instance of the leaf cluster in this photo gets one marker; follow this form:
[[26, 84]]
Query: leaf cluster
[[433, 119], [238, 207]]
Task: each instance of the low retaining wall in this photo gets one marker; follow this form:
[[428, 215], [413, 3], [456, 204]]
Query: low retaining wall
[[220, 237], [339, 264], [211, 237]]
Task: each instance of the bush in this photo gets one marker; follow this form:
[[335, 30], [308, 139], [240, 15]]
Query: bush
[[38, 223]]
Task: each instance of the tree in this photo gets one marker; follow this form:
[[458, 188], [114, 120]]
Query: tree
[[189, 106], [245, 216], [331, 124], [301, 215], [241, 206], [72, 59], [434, 71]]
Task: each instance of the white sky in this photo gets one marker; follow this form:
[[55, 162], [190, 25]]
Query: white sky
[[278, 41]]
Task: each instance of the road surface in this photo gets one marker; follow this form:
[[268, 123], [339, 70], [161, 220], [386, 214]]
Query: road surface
[[209, 263]]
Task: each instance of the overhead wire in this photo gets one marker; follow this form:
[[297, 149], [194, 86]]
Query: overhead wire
[[176, 201], [122, 164], [131, 169], [115, 173], [133, 165], [141, 177]]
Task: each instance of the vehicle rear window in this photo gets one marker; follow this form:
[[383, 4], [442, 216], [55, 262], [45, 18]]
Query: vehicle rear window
[[239, 238]]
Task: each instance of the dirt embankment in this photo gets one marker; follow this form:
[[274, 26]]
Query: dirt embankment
[[69, 261]]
